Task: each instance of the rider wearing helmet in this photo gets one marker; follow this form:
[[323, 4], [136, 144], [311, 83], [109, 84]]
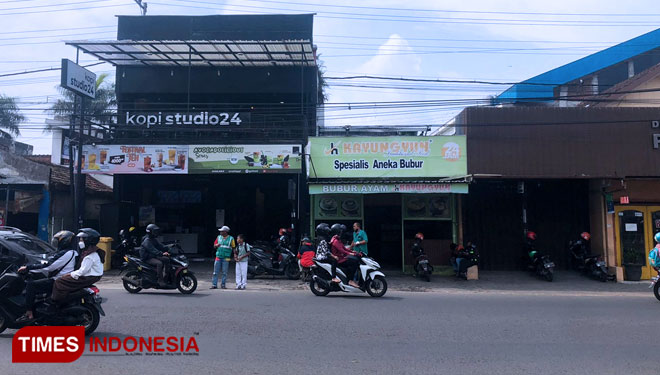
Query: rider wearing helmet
[[654, 254], [91, 266], [346, 260], [154, 253], [323, 253], [59, 264], [306, 252]]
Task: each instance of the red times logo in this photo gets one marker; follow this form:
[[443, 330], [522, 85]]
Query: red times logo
[[48, 344]]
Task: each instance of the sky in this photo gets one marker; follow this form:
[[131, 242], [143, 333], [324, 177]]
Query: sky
[[498, 41]]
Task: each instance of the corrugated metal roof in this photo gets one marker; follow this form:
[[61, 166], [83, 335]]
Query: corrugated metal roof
[[542, 86], [200, 52]]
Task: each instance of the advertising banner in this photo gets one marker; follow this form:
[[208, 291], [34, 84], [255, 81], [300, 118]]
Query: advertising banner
[[245, 159], [377, 157], [406, 188], [132, 159]]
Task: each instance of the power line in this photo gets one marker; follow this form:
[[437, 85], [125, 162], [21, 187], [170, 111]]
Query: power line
[[64, 10], [460, 11], [45, 70], [428, 19]]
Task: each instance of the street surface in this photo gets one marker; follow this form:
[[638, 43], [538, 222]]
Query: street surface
[[262, 331]]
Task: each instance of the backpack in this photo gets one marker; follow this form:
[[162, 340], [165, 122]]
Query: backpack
[[654, 257]]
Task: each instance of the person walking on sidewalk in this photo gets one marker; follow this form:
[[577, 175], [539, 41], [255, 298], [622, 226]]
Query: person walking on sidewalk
[[224, 246], [241, 256]]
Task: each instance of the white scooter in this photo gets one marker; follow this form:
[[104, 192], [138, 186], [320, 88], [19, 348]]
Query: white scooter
[[371, 280]]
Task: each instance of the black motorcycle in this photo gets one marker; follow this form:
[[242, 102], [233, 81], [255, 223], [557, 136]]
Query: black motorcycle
[[142, 275], [541, 266], [81, 308], [127, 246], [590, 265], [272, 260]]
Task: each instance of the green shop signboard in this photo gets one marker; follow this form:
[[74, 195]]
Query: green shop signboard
[[375, 157], [375, 188], [245, 159]]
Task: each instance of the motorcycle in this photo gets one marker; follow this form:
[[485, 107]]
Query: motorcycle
[[590, 265], [655, 285], [127, 246], [141, 275], [371, 279], [81, 308], [423, 269], [542, 266], [261, 262]]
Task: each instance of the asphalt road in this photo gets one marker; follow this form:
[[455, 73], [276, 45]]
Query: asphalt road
[[288, 332]]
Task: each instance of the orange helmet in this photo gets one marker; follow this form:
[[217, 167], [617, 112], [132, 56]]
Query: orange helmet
[[531, 235], [420, 235], [585, 236]]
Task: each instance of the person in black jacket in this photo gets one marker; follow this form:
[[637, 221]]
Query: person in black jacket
[[154, 253]]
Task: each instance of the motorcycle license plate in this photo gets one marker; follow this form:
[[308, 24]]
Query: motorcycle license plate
[[549, 265]]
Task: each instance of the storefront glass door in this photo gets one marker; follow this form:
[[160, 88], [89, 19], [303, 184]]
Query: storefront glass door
[[635, 228]]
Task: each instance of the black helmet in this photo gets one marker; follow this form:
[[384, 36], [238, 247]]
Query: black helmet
[[153, 230], [337, 229], [322, 230], [63, 240], [89, 236]]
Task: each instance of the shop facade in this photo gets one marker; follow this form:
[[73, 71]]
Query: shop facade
[[213, 114], [394, 186], [560, 172]]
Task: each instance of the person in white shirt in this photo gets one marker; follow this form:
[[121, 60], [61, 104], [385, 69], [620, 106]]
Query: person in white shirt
[[90, 270], [59, 264]]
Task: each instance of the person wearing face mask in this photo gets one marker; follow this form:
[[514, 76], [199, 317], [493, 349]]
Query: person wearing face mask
[[60, 264], [90, 270]]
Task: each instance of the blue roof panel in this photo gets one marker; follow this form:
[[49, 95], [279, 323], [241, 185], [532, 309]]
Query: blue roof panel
[[532, 88]]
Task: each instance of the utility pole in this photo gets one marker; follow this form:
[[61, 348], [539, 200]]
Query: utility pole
[[143, 6]]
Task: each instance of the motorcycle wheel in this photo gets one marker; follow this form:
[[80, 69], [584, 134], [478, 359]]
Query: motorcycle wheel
[[251, 275], [317, 289], [187, 283], [603, 277], [3, 323], [130, 287], [549, 276], [427, 277], [377, 286], [91, 320], [656, 291], [292, 271]]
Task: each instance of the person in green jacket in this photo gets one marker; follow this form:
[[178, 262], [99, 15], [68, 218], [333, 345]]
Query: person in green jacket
[[224, 248]]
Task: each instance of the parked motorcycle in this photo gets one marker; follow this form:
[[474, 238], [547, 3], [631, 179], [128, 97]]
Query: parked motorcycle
[[128, 246], [423, 269], [262, 262], [371, 279], [542, 266], [141, 275], [81, 308], [590, 265]]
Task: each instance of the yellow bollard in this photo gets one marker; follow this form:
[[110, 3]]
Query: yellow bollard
[[105, 244]]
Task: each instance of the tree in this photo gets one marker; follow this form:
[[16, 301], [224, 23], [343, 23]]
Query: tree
[[10, 115], [322, 83], [100, 110]]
